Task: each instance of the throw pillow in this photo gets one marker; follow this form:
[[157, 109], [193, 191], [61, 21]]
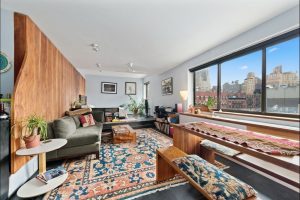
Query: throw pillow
[[87, 120]]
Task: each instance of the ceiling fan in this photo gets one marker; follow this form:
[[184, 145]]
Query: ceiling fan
[[133, 69]]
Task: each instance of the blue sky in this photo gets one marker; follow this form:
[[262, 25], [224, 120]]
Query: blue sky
[[285, 54]]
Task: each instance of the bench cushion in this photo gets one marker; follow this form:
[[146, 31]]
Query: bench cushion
[[219, 148], [217, 183]]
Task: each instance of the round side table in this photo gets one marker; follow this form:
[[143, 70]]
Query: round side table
[[41, 150], [34, 187]]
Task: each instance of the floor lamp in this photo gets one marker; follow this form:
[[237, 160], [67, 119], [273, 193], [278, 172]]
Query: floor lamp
[[184, 96]]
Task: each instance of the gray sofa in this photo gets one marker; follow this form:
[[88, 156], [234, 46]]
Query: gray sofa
[[81, 140]]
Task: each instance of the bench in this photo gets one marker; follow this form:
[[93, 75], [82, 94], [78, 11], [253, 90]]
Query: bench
[[212, 182], [208, 149]]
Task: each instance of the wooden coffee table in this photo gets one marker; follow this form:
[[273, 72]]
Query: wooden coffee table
[[123, 133]]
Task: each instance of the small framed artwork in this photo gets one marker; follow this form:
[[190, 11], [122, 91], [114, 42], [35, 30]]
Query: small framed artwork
[[108, 88], [167, 86], [130, 88], [82, 99]]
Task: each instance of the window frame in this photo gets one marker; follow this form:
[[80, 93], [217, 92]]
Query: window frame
[[262, 46]]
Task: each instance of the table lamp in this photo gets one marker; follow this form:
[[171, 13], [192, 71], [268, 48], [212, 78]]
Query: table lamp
[[184, 96]]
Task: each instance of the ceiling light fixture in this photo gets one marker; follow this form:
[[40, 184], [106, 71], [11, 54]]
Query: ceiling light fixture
[[130, 67]]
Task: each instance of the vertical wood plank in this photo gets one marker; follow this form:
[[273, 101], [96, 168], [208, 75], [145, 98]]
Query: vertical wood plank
[[46, 83], [186, 142]]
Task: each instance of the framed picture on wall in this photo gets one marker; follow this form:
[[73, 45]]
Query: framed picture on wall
[[167, 86], [108, 88], [82, 99], [130, 88]]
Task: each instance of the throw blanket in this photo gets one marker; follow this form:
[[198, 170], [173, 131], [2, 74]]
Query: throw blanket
[[263, 143], [218, 184]]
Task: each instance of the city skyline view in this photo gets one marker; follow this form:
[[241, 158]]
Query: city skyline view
[[241, 80], [285, 54]]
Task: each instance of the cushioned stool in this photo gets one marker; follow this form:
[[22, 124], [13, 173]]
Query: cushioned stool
[[212, 182], [215, 182]]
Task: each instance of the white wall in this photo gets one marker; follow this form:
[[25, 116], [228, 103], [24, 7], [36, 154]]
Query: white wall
[[101, 100], [182, 78], [7, 47], [6, 86]]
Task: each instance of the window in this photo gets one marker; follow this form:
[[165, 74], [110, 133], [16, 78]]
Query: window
[[262, 79], [241, 83], [206, 81], [282, 82]]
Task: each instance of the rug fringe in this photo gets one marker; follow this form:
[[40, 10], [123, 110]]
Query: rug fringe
[[155, 190]]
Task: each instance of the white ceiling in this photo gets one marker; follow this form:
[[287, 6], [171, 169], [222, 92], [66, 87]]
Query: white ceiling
[[156, 35]]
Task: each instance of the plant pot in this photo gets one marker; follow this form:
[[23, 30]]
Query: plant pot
[[204, 108], [135, 111], [32, 141]]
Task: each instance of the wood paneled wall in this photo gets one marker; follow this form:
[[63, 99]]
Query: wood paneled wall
[[46, 83]]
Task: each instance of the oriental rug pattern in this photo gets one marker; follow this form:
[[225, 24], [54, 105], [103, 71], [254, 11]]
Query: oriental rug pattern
[[260, 142], [124, 171]]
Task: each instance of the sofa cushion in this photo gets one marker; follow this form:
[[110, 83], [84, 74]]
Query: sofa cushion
[[87, 120], [63, 127], [78, 150], [84, 136], [76, 120]]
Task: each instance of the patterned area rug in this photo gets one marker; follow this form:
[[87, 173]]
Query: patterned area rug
[[124, 171], [264, 143]]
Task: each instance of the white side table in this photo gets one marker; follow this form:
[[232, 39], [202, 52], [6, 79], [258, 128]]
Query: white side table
[[42, 150], [34, 187]]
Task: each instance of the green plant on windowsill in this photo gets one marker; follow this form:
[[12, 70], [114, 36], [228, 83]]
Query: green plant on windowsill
[[210, 103], [134, 107]]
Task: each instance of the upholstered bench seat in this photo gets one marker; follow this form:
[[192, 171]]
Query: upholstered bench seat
[[218, 148], [215, 182]]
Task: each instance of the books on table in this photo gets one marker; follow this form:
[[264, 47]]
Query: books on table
[[51, 174]]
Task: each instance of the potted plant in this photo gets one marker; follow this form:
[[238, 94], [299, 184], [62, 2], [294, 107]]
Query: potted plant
[[33, 129], [134, 106], [210, 103]]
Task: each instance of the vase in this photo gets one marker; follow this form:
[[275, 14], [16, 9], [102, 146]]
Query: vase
[[204, 108], [135, 111], [32, 141]]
